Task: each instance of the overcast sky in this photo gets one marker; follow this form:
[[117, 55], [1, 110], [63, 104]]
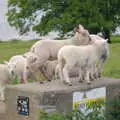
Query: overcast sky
[[7, 32]]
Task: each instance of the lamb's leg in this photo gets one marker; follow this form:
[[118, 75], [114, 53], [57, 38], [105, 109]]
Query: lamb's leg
[[87, 76], [66, 75], [80, 75], [56, 71], [20, 78], [24, 77], [2, 97], [100, 66], [60, 72], [92, 73], [44, 71]]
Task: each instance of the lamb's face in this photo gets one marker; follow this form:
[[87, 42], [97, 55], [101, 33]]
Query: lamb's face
[[31, 59], [82, 35], [11, 69]]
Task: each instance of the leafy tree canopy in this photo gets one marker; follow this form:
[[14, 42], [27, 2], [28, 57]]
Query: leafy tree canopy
[[63, 15]]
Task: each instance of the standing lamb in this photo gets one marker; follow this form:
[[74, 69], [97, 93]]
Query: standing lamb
[[18, 66], [103, 57], [85, 57], [33, 66], [5, 78], [49, 69]]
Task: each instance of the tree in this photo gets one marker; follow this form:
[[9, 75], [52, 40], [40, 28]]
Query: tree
[[64, 15]]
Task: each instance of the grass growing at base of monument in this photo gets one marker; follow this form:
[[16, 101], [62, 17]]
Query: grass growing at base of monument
[[111, 68]]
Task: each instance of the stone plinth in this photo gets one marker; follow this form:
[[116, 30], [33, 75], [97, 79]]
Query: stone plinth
[[49, 96]]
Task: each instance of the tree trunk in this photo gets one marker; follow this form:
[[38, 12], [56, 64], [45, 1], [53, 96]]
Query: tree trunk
[[106, 34]]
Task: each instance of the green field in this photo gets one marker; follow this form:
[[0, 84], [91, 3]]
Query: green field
[[111, 69]]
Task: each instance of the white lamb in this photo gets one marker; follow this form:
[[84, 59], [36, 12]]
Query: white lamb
[[103, 57], [49, 69], [18, 67], [48, 49], [85, 57], [5, 78], [33, 66]]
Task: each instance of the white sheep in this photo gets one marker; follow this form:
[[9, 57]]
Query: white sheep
[[33, 66], [48, 49], [85, 57], [20, 67], [17, 66], [103, 57], [50, 71], [5, 78]]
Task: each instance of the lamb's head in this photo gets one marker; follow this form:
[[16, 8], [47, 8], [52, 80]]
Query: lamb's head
[[11, 68], [82, 36], [31, 59]]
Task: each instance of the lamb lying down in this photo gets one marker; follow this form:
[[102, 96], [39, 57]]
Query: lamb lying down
[[85, 57], [33, 67], [49, 69]]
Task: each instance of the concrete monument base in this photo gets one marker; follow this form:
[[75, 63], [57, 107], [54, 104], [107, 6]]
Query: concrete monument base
[[50, 96]]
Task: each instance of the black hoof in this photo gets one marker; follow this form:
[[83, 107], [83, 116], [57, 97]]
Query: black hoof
[[91, 79], [49, 80], [88, 83], [80, 81], [70, 84], [41, 82]]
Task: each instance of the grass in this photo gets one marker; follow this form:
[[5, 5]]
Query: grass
[[111, 68], [10, 48]]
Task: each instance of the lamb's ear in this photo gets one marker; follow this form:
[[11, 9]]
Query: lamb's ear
[[6, 62]]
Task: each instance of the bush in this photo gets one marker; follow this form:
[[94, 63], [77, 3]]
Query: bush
[[93, 111]]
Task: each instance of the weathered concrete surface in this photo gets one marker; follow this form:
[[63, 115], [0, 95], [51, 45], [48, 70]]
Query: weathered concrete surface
[[113, 102], [49, 96], [59, 86]]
